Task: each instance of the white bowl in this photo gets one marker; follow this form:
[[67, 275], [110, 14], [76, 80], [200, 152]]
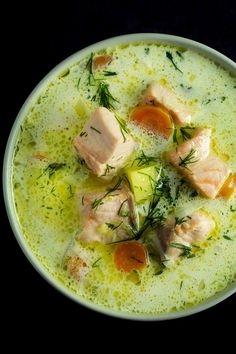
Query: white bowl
[[7, 168]]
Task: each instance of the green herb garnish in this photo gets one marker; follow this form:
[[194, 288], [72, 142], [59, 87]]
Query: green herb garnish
[[95, 264], [189, 159], [179, 54], [109, 73], [83, 134], [232, 209], [96, 130], [108, 170], [182, 132], [112, 226], [187, 251], [123, 127], [170, 57], [103, 96], [144, 160], [146, 50], [52, 168], [179, 221], [121, 206], [227, 237], [89, 67], [97, 202]]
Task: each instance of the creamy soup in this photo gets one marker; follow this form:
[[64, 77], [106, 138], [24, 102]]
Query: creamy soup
[[49, 177]]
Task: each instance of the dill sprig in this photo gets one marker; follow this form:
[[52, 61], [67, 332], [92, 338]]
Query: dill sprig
[[189, 159], [95, 264], [144, 160], [113, 226], [96, 130], [153, 218], [187, 251], [52, 168], [103, 96], [97, 202], [182, 132], [123, 127], [108, 170], [179, 221], [109, 73], [170, 57], [89, 67]]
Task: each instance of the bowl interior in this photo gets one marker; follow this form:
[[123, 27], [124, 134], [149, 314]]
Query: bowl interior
[[7, 183]]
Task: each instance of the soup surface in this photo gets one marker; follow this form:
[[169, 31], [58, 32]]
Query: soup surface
[[48, 177]]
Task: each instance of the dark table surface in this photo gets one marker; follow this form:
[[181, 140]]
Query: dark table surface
[[42, 37]]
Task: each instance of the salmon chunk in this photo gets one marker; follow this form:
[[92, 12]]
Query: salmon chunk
[[177, 236], [206, 173], [102, 145], [107, 219], [157, 94]]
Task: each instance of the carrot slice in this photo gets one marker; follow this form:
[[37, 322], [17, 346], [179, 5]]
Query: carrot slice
[[101, 60], [130, 256], [155, 118], [229, 187]]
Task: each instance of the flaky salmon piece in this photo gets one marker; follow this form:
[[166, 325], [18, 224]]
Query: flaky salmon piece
[[157, 94], [177, 236], [106, 219], [102, 145], [205, 172]]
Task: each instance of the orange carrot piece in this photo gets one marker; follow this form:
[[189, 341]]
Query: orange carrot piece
[[229, 187], [101, 60], [155, 118], [130, 256]]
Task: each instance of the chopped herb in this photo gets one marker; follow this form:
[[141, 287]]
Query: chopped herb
[[144, 160], [193, 194], [121, 206], [96, 130], [65, 73], [89, 67], [179, 54], [189, 159], [83, 134], [159, 272], [123, 127], [108, 170], [186, 87], [227, 237], [109, 73], [99, 201], [112, 226], [82, 200], [95, 264], [223, 98], [179, 221], [146, 50], [103, 96], [170, 57], [52, 168], [70, 190], [209, 238], [181, 284], [162, 187], [136, 259], [48, 207], [183, 132], [232, 209], [187, 251], [80, 160], [153, 218], [78, 83]]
